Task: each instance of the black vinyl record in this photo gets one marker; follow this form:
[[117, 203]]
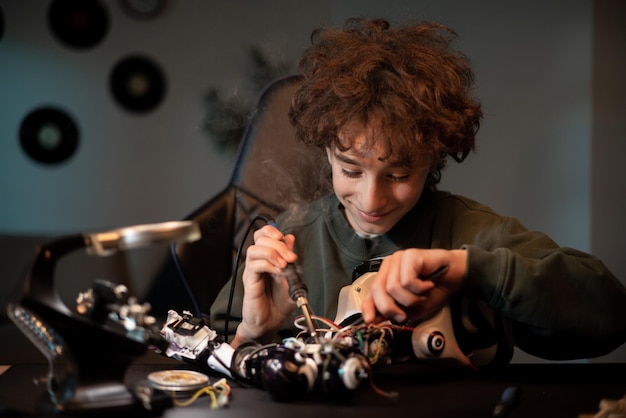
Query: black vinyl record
[[137, 84], [78, 23], [49, 135]]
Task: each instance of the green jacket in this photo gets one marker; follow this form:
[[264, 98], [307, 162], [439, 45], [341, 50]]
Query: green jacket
[[558, 303]]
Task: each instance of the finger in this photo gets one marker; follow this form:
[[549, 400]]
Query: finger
[[264, 259], [279, 252], [415, 286], [430, 264], [369, 313], [368, 310], [420, 270], [404, 299], [439, 272], [271, 232], [384, 303], [289, 241], [401, 281], [256, 269]]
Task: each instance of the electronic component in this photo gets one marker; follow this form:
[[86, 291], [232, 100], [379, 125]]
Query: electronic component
[[178, 380], [331, 357], [289, 370]]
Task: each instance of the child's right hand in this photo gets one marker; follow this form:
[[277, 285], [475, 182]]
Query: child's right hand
[[266, 301]]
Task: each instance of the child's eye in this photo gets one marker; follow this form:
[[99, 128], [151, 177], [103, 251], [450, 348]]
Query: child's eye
[[398, 178], [351, 174]]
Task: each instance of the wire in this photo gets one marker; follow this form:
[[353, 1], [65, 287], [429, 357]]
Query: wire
[[233, 279], [219, 393], [180, 271], [389, 395], [330, 325], [208, 390]]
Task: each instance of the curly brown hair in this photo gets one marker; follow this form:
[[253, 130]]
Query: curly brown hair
[[405, 80]]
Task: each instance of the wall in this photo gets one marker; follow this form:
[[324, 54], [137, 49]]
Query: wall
[[537, 156], [533, 75]]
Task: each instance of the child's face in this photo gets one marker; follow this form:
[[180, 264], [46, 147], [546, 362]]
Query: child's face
[[376, 193]]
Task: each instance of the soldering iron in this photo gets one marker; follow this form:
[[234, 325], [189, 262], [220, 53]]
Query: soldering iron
[[297, 289]]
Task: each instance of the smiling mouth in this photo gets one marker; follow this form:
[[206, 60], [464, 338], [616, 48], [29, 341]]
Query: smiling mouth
[[377, 217]]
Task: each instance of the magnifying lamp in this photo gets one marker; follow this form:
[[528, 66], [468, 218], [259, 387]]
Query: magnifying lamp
[[87, 357]]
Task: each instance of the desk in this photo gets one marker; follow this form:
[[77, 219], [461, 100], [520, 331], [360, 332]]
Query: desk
[[549, 390]]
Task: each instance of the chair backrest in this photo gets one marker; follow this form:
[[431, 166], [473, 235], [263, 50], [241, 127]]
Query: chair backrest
[[273, 171]]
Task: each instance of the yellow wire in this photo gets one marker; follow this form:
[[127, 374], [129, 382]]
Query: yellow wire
[[221, 387]]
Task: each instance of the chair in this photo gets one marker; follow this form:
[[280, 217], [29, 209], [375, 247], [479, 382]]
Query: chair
[[272, 171]]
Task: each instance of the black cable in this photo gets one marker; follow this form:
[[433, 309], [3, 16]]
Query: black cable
[[233, 280], [181, 273]]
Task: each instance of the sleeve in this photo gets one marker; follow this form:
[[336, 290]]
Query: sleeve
[[562, 303]]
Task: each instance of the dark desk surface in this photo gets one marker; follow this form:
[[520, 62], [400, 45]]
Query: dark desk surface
[[549, 390]]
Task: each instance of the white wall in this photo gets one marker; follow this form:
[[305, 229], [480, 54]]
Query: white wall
[[533, 70]]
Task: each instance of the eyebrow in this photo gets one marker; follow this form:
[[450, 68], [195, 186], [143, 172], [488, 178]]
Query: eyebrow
[[348, 160]]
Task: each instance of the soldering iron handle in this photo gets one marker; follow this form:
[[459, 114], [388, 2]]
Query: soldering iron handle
[[297, 288]]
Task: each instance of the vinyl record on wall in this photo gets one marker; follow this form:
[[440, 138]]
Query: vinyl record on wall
[[78, 23], [49, 135], [137, 84]]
